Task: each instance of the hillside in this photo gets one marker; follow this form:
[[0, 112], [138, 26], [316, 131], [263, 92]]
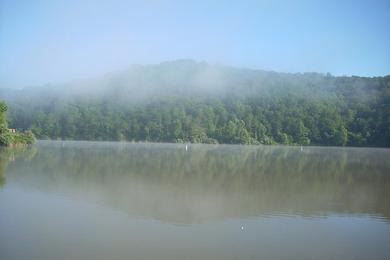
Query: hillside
[[188, 101]]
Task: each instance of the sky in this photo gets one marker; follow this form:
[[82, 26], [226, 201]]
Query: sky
[[49, 41]]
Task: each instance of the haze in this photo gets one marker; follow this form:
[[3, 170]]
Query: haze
[[59, 41]]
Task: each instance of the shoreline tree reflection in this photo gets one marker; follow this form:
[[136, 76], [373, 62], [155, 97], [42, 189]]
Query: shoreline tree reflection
[[211, 182]]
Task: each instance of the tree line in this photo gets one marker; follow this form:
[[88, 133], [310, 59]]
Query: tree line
[[290, 109]]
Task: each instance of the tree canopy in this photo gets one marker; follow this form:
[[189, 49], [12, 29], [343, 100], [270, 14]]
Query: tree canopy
[[186, 101]]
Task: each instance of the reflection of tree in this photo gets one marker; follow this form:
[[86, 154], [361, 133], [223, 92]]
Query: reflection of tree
[[9, 154], [214, 182], [3, 166]]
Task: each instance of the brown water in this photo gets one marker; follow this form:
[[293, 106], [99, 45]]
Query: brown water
[[90, 200]]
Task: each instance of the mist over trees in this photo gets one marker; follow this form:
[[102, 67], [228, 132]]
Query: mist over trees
[[187, 101]]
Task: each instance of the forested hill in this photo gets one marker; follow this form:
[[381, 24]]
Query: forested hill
[[187, 101]]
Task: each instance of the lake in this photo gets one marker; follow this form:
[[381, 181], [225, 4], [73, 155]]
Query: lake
[[103, 200]]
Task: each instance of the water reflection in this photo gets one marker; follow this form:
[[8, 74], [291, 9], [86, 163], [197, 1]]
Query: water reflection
[[8, 155], [208, 183]]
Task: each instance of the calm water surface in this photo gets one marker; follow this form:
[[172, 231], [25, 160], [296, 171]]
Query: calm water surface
[[89, 200]]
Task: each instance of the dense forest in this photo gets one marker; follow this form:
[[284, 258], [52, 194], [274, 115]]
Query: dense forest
[[187, 101]]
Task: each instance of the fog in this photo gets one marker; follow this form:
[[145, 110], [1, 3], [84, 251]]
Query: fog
[[166, 71], [178, 78]]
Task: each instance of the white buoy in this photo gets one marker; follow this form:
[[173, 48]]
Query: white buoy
[[242, 227], [186, 147]]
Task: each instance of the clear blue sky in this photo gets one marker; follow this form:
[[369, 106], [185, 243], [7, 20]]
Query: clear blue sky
[[54, 41]]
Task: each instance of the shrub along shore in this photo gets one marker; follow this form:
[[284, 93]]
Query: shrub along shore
[[10, 137]]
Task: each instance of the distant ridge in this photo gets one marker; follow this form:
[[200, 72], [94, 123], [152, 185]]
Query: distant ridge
[[189, 101]]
